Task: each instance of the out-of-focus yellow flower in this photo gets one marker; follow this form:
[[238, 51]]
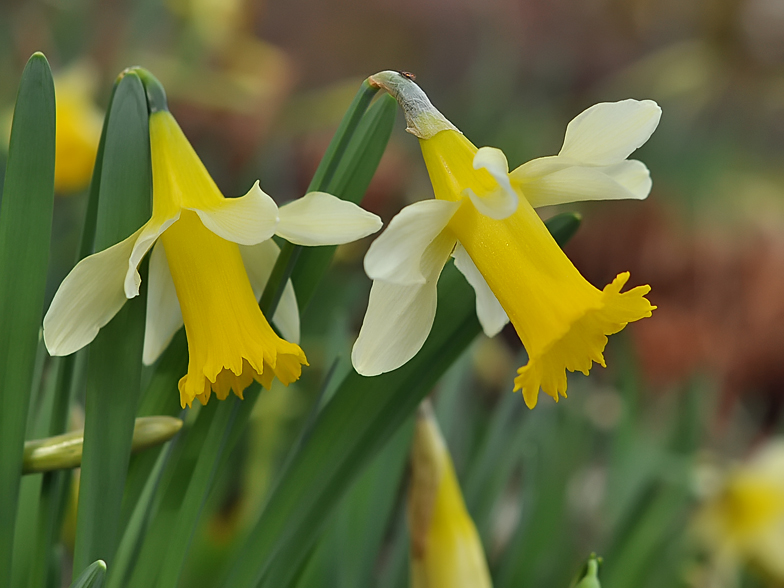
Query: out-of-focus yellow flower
[[78, 128], [744, 521], [484, 217], [445, 548], [215, 21], [212, 260]]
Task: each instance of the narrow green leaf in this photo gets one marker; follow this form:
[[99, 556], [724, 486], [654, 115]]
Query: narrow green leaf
[[161, 397], [28, 513], [56, 485], [337, 147], [350, 182], [181, 535], [350, 546], [658, 520], [167, 502], [138, 523], [322, 181], [92, 576], [361, 417], [114, 364], [563, 226], [558, 441], [180, 470], [25, 225], [497, 455]]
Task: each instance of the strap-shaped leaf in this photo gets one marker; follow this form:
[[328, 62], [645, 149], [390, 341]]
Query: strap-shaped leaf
[[25, 226], [92, 576], [114, 364], [357, 125], [56, 485], [362, 416]]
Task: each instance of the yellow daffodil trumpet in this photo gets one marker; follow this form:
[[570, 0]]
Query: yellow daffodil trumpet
[[445, 548], [211, 258], [483, 216]]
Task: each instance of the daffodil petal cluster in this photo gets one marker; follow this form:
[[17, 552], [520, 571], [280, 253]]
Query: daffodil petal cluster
[[446, 551], [211, 258], [483, 216]]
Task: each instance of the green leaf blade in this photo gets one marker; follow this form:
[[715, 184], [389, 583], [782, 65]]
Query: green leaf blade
[[92, 576], [114, 363], [350, 182], [362, 416], [25, 226]]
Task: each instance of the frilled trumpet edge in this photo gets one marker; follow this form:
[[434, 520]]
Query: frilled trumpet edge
[[584, 342]]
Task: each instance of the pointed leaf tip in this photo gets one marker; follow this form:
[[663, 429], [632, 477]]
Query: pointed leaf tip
[[92, 577]]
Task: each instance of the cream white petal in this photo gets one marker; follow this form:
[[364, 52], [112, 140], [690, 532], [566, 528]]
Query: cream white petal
[[399, 317], [259, 260], [247, 220], [541, 166], [146, 238], [489, 311], [577, 183], [609, 132], [632, 175], [397, 255], [319, 218], [88, 298], [286, 317], [164, 317], [501, 202]]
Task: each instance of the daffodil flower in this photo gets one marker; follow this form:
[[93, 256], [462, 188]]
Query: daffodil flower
[[742, 522], [79, 124], [446, 551], [483, 215], [211, 258]]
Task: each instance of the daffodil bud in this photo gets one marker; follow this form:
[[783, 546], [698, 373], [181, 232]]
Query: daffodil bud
[[445, 548], [590, 578], [65, 451]]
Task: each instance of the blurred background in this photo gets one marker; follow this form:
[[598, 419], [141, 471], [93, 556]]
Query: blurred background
[[668, 462]]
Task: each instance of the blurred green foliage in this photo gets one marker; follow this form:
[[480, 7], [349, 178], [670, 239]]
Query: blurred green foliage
[[259, 88]]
